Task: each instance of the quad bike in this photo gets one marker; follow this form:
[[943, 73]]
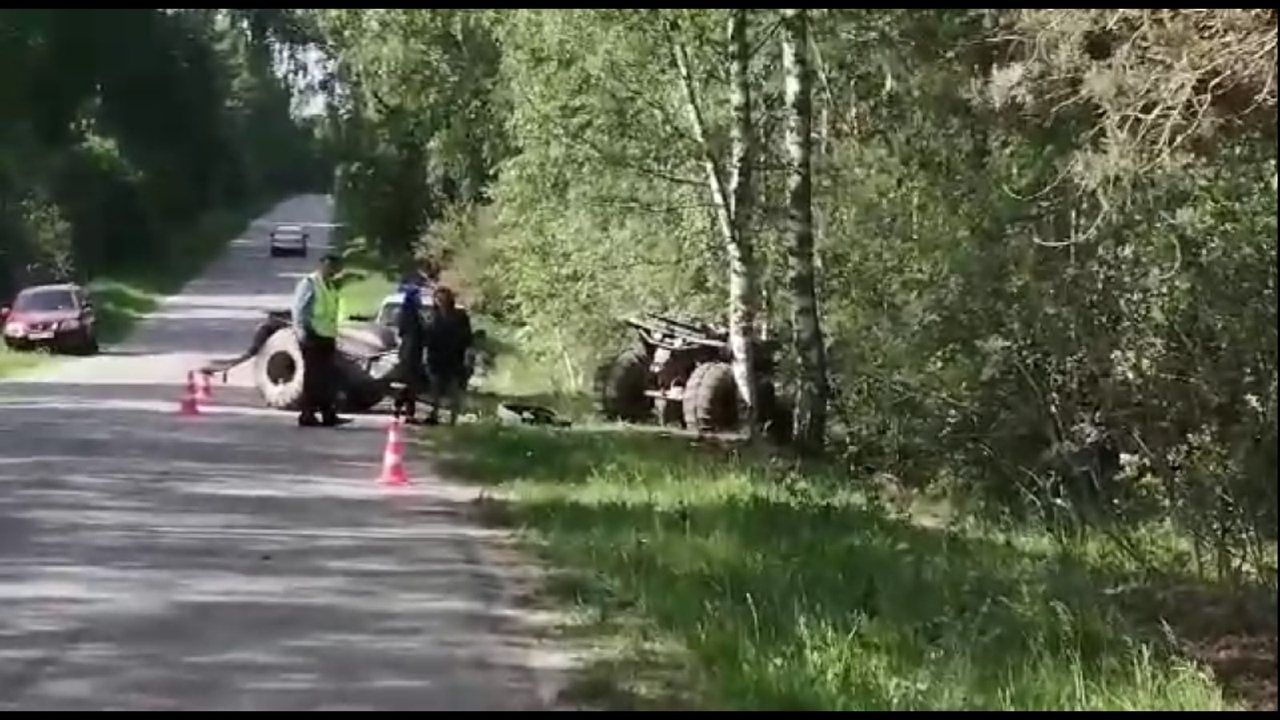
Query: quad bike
[[367, 364], [679, 373]]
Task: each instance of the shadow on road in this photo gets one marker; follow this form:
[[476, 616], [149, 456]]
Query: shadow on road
[[233, 561]]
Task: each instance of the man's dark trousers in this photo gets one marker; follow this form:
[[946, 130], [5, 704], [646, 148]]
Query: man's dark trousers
[[318, 379]]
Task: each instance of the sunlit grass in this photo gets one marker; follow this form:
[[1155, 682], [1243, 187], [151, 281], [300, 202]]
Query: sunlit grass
[[723, 583]]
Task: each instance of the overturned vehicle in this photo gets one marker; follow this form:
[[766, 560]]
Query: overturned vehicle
[[367, 362], [679, 373]]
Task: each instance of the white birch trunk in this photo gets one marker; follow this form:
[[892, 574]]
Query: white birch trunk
[[741, 248], [812, 392]]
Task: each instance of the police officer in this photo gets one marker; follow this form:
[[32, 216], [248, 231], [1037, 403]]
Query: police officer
[[316, 311]]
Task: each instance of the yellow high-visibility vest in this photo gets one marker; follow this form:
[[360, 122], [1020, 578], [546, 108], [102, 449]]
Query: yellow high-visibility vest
[[326, 309]]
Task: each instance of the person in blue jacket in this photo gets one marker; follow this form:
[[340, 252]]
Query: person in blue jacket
[[412, 331]]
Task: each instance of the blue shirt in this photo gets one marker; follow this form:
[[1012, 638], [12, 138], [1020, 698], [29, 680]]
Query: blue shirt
[[304, 300], [412, 295]]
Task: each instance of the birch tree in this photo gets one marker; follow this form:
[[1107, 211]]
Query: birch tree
[[734, 200], [806, 323]]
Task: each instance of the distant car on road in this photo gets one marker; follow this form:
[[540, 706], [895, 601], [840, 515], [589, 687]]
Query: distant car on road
[[288, 240], [57, 317]]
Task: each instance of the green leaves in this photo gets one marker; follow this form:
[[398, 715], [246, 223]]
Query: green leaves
[[132, 123], [963, 193]]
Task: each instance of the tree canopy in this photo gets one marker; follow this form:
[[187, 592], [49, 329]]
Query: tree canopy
[[121, 128], [1033, 228]]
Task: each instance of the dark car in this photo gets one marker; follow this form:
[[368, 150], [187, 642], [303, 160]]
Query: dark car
[[57, 317], [288, 240]]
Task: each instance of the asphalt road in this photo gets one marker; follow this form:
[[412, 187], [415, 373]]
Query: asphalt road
[[233, 561]]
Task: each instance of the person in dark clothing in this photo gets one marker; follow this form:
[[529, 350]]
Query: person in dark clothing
[[448, 339], [412, 331]]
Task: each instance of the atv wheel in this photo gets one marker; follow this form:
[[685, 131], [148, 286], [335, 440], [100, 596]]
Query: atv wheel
[[277, 371], [711, 398], [621, 385]]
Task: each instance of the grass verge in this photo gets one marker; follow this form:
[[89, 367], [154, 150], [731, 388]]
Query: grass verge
[[722, 582], [363, 293], [124, 297]]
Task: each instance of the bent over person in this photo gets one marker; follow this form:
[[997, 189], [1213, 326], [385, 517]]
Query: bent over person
[[316, 313]]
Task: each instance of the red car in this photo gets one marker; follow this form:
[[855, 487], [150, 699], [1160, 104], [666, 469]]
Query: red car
[[57, 317]]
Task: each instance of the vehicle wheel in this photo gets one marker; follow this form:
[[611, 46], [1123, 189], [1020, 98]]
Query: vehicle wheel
[[357, 392], [275, 253], [278, 370], [89, 346], [621, 384], [711, 398]]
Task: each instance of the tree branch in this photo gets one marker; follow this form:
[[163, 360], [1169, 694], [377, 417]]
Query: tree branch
[[680, 55]]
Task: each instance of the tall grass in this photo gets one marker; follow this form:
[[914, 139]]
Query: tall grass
[[725, 583]]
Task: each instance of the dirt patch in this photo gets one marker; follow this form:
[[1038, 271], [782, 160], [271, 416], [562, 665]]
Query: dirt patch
[[1231, 631]]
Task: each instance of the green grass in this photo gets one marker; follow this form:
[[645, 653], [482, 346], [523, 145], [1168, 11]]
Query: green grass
[[124, 297], [363, 292], [12, 363], [724, 582]]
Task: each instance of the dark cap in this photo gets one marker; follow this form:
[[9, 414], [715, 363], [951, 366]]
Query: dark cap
[[331, 258]]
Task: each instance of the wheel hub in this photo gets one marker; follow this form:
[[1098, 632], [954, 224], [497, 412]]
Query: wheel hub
[[281, 368]]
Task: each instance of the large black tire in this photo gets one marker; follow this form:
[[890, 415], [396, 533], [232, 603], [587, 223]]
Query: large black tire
[[278, 370], [357, 391], [88, 345], [620, 387], [711, 398]]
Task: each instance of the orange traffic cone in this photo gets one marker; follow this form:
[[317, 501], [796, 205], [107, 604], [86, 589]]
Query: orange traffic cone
[[393, 457], [204, 392], [189, 405]]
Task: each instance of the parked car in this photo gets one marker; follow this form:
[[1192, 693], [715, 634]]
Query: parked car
[[57, 317], [288, 240]]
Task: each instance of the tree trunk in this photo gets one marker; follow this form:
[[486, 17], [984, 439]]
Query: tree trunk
[[811, 395], [741, 248], [734, 203]]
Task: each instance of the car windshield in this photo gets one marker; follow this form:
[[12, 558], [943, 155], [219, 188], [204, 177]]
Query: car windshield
[[51, 300]]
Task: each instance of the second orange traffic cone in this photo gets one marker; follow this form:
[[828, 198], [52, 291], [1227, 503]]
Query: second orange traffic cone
[[189, 404], [393, 457]]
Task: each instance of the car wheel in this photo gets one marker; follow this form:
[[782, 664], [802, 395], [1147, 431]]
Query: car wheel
[[275, 253]]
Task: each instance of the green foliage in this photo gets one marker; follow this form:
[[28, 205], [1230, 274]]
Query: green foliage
[[125, 129], [412, 142], [1043, 235]]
